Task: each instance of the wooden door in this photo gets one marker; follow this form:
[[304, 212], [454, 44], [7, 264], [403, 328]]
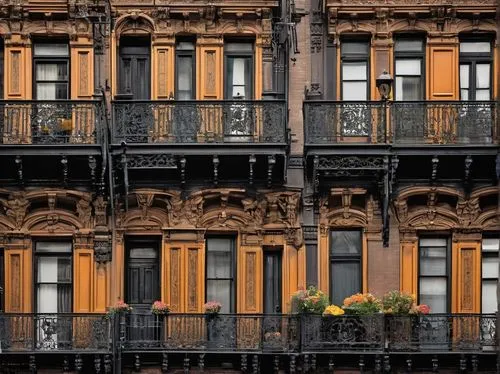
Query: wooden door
[[135, 70], [143, 289]]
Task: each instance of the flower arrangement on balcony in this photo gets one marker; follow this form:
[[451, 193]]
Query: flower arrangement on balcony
[[333, 310], [160, 308], [212, 307], [119, 307], [401, 303], [362, 304], [272, 337], [311, 300]]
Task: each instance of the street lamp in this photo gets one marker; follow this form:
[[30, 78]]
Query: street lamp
[[384, 84]]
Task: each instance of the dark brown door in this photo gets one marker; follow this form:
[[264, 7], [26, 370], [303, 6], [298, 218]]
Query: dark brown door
[[272, 282], [134, 69], [143, 289]]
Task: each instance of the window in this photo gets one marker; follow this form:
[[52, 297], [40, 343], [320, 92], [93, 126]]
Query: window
[[355, 62], [434, 269], [53, 277], [134, 75], [409, 57], [345, 264], [185, 70], [51, 64], [238, 70], [475, 70], [490, 250], [220, 272]]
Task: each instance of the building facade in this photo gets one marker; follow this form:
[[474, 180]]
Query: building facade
[[188, 151]]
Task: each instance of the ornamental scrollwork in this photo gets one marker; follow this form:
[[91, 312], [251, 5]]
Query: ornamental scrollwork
[[16, 207]]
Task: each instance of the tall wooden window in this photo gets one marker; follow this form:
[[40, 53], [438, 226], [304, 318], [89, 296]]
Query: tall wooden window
[[238, 70], [433, 287], [185, 70], [475, 70], [409, 67], [220, 272], [345, 264], [51, 71], [134, 68], [355, 58], [53, 277], [490, 250]]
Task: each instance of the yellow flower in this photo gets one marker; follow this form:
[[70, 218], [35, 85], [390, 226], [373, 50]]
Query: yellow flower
[[333, 310]]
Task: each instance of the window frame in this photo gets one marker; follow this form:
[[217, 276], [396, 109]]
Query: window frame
[[410, 55], [345, 258], [185, 53], [250, 75], [448, 269], [233, 270], [488, 254], [472, 59], [37, 255], [51, 59], [355, 57]]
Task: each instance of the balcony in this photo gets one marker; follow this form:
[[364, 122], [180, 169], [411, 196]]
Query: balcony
[[200, 122], [401, 123], [60, 122], [55, 333]]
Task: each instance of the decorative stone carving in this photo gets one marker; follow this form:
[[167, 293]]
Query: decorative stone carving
[[102, 249], [100, 211], [468, 211], [16, 207], [84, 210]]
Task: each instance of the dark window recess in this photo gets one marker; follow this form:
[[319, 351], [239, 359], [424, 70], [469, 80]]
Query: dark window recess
[[272, 282], [409, 67], [185, 70], [51, 71], [345, 264], [312, 264], [433, 286], [475, 70], [220, 272], [134, 69]]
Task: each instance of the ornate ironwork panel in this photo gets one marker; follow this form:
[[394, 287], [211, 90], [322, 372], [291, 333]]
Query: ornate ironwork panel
[[330, 122], [50, 122], [199, 121], [342, 333], [54, 332], [450, 122]]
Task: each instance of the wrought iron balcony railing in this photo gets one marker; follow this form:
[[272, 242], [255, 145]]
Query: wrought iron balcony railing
[[225, 121], [415, 122], [50, 122], [55, 332]]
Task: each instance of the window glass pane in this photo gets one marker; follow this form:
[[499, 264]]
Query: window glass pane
[[185, 46], [47, 298], [345, 242], [60, 247], [51, 91], [51, 72], [344, 280], [491, 245], [354, 91], [143, 253], [432, 260], [433, 292], [408, 67], [490, 267], [354, 47], [47, 269], [408, 88], [220, 290], [184, 77], [64, 269], [354, 71], [483, 76], [475, 47], [219, 264], [403, 45], [489, 297], [483, 95], [239, 47], [51, 49], [464, 76], [433, 242], [464, 94]]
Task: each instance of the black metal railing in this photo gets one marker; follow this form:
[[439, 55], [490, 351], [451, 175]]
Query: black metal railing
[[50, 122], [240, 333], [225, 121], [413, 122], [199, 332], [55, 332]]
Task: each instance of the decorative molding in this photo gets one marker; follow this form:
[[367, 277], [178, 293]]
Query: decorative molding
[[102, 249]]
